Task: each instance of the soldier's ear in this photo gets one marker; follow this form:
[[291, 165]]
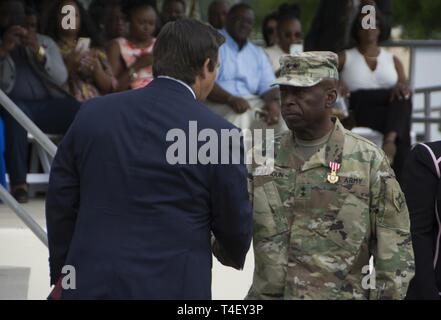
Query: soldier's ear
[[331, 97]]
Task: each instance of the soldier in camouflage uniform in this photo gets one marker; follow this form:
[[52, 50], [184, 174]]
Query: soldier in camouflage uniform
[[329, 203]]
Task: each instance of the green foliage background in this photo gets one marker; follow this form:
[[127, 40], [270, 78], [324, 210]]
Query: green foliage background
[[421, 19]]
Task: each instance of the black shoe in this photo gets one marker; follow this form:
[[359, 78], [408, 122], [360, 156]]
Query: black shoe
[[21, 195]]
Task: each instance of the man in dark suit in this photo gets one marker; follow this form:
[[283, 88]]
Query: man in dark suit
[[132, 225], [330, 29]]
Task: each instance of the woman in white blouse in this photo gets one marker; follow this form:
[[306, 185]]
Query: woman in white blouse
[[380, 95]]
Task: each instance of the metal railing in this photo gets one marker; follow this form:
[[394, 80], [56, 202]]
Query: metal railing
[[413, 46], [50, 148], [424, 115], [427, 110]]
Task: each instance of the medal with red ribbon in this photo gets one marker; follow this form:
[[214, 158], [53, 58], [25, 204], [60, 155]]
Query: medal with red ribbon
[[333, 177]]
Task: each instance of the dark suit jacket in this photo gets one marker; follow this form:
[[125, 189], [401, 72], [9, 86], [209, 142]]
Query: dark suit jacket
[[422, 188], [328, 29], [132, 225]]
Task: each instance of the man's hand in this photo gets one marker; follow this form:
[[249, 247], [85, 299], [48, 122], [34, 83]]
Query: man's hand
[[271, 112], [11, 39], [238, 104], [30, 40], [401, 91]]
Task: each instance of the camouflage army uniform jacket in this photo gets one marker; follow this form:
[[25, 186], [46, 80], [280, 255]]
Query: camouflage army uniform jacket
[[313, 239]]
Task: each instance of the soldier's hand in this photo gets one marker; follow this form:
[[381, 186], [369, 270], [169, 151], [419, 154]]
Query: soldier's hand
[[238, 104]]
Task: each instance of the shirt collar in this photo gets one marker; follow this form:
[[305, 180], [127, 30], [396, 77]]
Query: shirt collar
[[331, 152], [181, 82], [231, 42]]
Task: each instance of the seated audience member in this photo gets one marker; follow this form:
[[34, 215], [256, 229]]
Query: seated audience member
[[31, 18], [90, 74], [289, 32], [172, 10], [192, 8], [109, 19], [243, 84], [379, 94], [421, 183], [132, 58], [217, 13], [42, 7], [32, 75], [269, 29]]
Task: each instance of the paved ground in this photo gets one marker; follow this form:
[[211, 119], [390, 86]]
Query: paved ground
[[24, 272]]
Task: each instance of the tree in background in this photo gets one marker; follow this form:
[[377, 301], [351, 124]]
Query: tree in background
[[420, 19]]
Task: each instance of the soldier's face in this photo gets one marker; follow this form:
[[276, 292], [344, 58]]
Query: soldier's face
[[304, 107]]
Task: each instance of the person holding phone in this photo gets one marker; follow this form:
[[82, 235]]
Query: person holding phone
[[380, 97], [131, 58], [90, 74], [32, 75]]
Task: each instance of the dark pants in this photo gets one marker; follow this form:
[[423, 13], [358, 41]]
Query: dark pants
[[373, 109], [52, 116]]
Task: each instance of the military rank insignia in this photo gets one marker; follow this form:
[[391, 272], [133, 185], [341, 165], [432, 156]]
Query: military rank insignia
[[333, 177]]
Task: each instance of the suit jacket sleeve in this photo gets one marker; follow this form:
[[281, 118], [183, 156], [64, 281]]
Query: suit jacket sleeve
[[62, 204], [231, 213], [420, 185]]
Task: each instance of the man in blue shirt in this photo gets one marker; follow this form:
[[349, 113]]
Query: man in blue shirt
[[242, 93]]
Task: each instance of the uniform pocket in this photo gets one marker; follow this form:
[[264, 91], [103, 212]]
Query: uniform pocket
[[351, 225], [269, 212], [339, 241]]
